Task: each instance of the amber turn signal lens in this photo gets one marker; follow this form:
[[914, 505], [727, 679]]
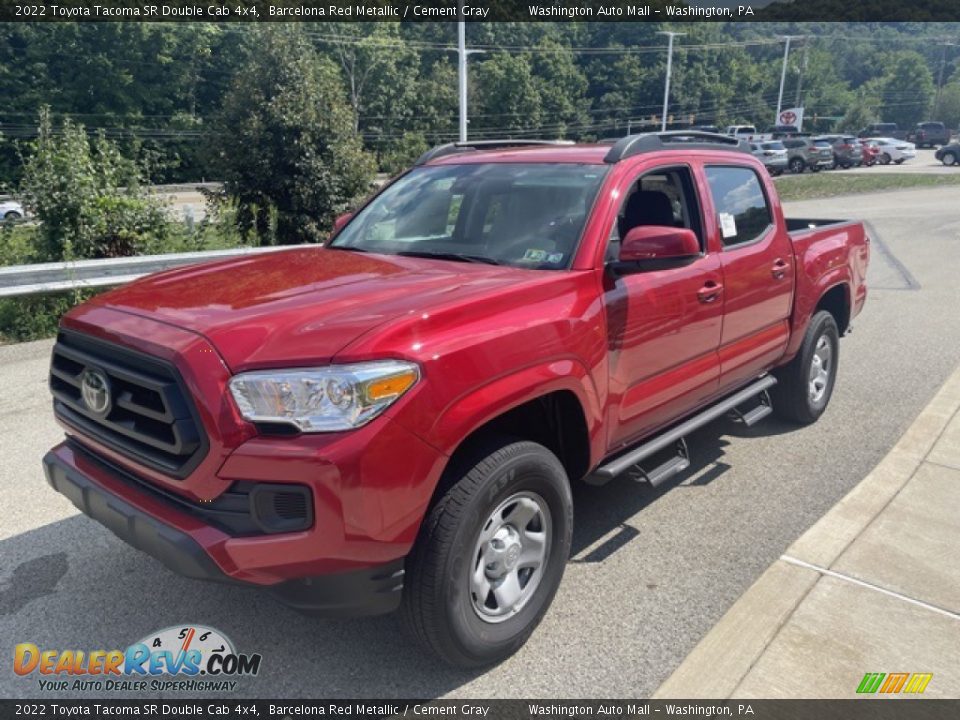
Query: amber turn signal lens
[[390, 387]]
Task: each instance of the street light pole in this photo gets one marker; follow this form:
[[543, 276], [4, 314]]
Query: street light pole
[[462, 54], [462, 71], [783, 72], [666, 85], [943, 63]]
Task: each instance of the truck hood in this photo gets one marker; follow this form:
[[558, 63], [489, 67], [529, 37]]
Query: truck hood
[[300, 307]]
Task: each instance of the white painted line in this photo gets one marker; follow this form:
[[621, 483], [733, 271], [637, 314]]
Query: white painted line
[[869, 586]]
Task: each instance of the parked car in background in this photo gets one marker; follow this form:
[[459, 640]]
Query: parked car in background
[[893, 150], [778, 132], [808, 152], [949, 154], [773, 155], [846, 150], [890, 130], [11, 210], [868, 152], [744, 132], [929, 134]]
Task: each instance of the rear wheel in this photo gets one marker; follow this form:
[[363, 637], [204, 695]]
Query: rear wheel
[[884, 159], [949, 158], [797, 165], [490, 554], [805, 384], [12, 216]]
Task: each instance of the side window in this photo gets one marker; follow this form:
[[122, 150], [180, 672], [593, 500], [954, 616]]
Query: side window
[[742, 209], [664, 196]]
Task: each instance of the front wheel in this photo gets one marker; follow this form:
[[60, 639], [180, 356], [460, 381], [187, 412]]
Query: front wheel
[[797, 165], [12, 216], [490, 554], [949, 159], [805, 384]]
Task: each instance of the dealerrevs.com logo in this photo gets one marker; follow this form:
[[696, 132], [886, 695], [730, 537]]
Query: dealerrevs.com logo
[[186, 658]]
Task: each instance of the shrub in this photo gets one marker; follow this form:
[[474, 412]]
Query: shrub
[[88, 197]]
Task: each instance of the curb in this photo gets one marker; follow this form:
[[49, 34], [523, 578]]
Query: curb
[[720, 661]]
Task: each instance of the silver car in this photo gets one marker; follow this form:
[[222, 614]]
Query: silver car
[[773, 154], [11, 210]]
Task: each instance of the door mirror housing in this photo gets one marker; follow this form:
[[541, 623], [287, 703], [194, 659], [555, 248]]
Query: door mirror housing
[[341, 221], [656, 247]]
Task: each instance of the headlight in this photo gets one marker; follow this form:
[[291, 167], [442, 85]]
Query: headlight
[[326, 399]]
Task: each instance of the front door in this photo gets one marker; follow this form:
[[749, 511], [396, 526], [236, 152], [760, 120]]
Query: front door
[[664, 325]]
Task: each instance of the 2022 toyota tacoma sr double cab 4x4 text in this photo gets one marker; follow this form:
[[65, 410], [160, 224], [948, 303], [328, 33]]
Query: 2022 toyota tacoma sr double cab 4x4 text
[[394, 420]]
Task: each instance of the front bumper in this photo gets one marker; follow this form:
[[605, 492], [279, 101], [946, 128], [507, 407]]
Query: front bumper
[[194, 549]]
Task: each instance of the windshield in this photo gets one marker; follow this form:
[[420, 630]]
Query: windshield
[[524, 215], [774, 146]]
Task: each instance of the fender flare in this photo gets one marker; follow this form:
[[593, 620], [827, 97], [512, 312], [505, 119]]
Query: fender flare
[[473, 410]]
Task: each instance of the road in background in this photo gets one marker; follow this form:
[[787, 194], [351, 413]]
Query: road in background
[[652, 570]]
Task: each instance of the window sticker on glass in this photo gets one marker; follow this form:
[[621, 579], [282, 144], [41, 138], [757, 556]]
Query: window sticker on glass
[[555, 258], [728, 225], [532, 255]]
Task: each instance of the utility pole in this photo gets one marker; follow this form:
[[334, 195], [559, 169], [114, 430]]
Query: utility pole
[[783, 72], [666, 86], [943, 63], [803, 69]]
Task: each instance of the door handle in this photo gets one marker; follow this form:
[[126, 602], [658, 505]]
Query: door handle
[[779, 269], [709, 292]]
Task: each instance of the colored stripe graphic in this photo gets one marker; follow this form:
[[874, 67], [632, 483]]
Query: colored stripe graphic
[[894, 682], [870, 682], [918, 683]]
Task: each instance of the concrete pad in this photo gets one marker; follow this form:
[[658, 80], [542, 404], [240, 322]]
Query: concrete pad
[[842, 631], [946, 451], [911, 547], [823, 543], [716, 665]]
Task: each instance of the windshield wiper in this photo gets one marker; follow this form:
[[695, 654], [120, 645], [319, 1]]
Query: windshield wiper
[[460, 257]]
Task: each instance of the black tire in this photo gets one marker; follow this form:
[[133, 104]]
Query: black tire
[[884, 159], [438, 606], [949, 159], [792, 397], [12, 216], [898, 162], [797, 165]]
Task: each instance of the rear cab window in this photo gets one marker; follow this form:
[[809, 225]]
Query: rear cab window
[[743, 212]]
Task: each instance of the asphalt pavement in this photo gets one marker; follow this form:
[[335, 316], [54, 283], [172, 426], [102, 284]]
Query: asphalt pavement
[[652, 570]]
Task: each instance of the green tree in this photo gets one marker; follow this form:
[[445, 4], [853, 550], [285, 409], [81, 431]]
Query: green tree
[[908, 89], [286, 147], [88, 197], [504, 95]]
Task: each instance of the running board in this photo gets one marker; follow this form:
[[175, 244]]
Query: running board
[[676, 436]]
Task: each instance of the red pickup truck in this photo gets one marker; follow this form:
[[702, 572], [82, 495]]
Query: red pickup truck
[[395, 420]]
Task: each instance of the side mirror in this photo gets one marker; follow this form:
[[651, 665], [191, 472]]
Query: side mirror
[[341, 221], [657, 247]]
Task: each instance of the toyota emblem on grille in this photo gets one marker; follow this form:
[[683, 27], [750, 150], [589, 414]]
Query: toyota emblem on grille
[[95, 389]]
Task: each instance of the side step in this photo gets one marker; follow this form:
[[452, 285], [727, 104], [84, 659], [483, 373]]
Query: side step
[[676, 436]]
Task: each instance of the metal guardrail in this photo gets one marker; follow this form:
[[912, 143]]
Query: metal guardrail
[[20, 280]]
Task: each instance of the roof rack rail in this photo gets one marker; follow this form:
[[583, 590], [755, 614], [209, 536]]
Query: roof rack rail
[[461, 147], [649, 142]]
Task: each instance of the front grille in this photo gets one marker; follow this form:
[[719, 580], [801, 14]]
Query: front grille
[[149, 417]]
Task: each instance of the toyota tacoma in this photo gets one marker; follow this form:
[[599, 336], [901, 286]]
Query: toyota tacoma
[[393, 421]]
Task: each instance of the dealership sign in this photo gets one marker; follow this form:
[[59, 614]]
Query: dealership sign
[[791, 116]]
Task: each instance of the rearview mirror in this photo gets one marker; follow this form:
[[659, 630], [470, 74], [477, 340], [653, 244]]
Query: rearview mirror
[[341, 221], [656, 247]]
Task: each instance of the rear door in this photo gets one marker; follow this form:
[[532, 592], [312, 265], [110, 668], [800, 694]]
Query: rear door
[[758, 273]]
